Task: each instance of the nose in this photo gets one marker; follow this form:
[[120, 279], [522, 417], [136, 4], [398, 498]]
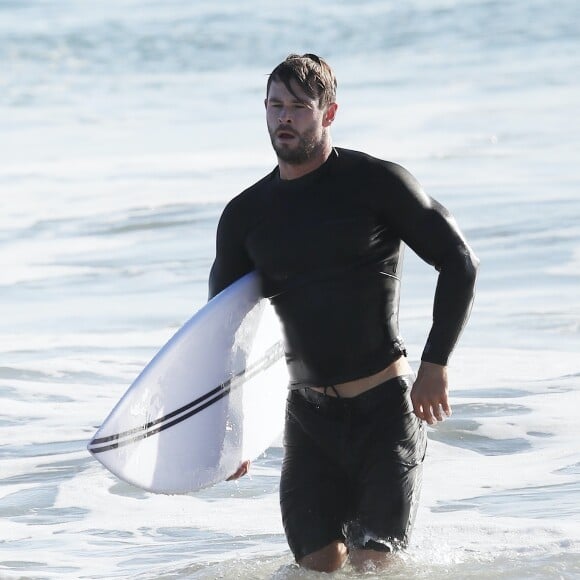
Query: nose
[[284, 117]]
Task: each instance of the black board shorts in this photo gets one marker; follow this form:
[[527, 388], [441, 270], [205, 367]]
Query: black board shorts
[[352, 468]]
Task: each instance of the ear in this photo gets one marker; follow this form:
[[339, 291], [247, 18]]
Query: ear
[[266, 103], [329, 115]]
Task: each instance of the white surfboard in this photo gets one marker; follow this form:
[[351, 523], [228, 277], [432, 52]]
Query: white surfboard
[[212, 397]]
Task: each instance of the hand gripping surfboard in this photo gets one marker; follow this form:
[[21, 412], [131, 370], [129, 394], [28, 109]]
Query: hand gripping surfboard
[[211, 398]]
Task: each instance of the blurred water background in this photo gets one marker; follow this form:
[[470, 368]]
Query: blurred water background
[[126, 125]]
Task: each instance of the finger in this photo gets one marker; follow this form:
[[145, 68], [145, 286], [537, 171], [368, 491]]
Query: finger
[[437, 412], [418, 410], [426, 414], [419, 415], [429, 416], [241, 471], [446, 407], [417, 407], [423, 412]]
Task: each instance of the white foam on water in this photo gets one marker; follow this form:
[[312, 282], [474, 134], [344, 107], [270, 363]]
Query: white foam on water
[[121, 149], [90, 516]]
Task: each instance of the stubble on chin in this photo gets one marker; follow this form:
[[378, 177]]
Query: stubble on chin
[[307, 147]]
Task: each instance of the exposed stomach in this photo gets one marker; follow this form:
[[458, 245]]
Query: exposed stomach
[[358, 386]]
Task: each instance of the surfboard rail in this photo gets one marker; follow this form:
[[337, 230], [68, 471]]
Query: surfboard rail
[[213, 396]]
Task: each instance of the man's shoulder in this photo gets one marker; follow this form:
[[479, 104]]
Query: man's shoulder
[[353, 159], [249, 198], [379, 176]]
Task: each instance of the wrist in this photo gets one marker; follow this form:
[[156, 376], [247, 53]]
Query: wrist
[[432, 369], [433, 365]]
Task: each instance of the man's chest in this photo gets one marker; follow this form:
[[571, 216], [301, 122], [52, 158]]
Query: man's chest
[[291, 238]]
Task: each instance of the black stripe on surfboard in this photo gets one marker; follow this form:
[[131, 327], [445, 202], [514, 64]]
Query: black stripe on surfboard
[[185, 412], [217, 391], [149, 432]]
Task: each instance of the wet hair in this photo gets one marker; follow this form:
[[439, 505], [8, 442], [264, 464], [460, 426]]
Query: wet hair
[[311, 73]]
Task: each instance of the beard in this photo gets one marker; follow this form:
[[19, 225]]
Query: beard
[[308, 146]]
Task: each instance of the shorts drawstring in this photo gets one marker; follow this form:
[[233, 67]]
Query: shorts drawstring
[[334, 389]]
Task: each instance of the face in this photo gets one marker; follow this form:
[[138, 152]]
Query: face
[[296, 123]]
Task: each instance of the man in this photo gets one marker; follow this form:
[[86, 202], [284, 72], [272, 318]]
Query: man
[[324, 230]]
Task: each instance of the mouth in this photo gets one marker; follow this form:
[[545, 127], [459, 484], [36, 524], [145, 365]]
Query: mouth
[[285, 135]]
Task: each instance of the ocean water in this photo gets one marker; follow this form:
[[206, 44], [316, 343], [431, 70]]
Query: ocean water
[[126, 125]]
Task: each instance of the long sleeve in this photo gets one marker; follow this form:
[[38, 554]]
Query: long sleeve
[[432, 233], [452, 303], [232, 260]]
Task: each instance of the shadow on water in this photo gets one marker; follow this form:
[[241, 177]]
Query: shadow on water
[[122, 489]]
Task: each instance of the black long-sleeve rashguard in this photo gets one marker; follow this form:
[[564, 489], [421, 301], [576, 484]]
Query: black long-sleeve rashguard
[[328, 249]]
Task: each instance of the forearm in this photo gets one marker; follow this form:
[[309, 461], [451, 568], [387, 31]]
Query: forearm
[[430, 230], [452, 303]]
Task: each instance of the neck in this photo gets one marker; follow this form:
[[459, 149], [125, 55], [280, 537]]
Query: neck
[[294, 171]]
